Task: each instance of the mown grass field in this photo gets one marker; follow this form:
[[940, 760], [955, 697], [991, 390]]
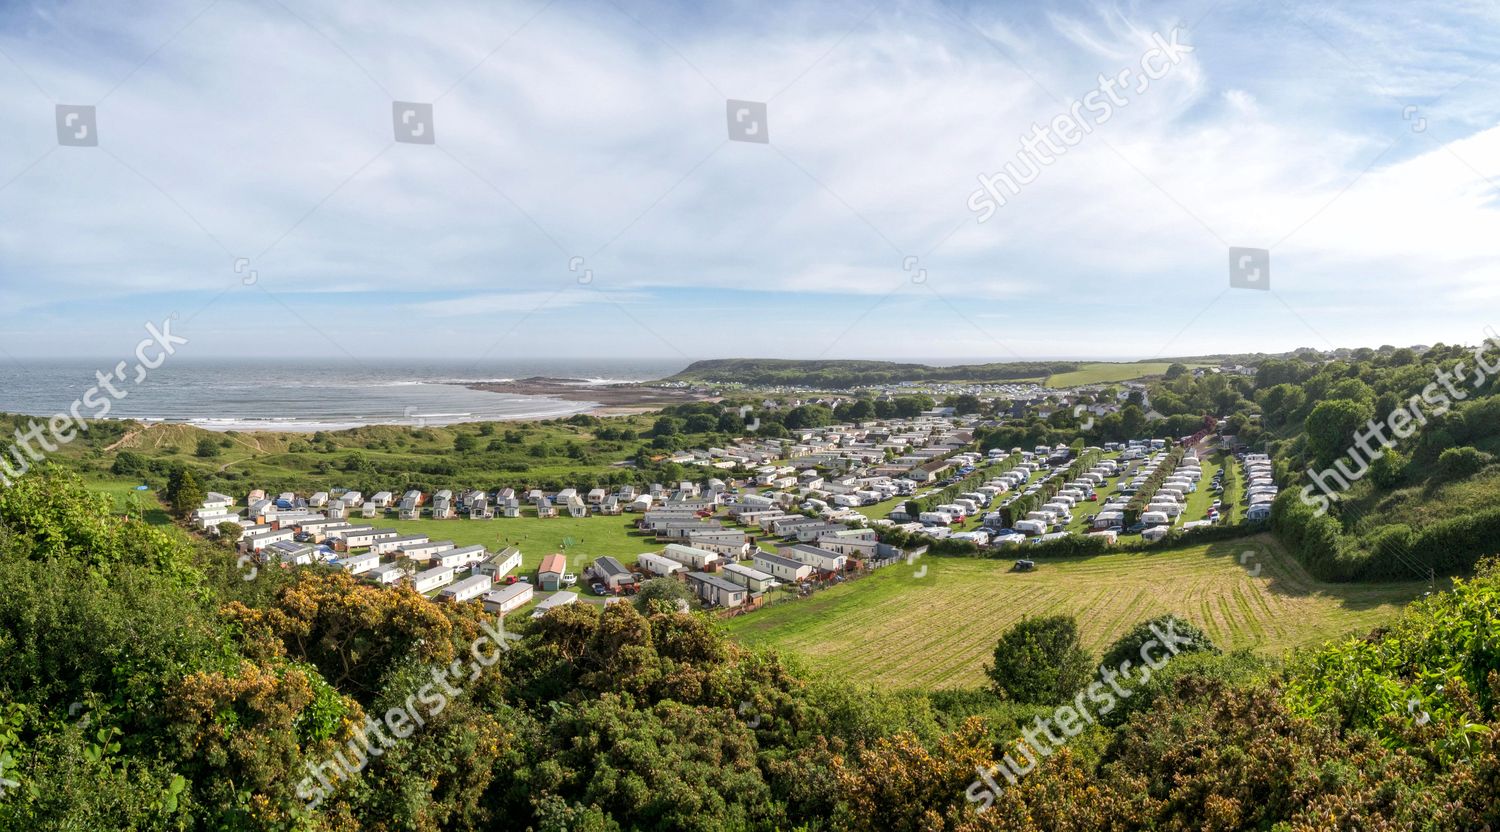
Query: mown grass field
[[581, 539], [1107, 372], [896, 631]]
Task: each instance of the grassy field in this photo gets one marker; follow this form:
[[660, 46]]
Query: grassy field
[[124, 496], [895, 631], [581, 539], [1107, 372]]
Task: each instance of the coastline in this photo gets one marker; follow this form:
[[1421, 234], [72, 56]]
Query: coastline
[[607, 398]]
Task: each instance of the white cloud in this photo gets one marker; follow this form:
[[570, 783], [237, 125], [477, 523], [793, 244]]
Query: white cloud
[[609, 145]]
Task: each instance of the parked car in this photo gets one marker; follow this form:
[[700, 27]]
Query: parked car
[[598, 588]]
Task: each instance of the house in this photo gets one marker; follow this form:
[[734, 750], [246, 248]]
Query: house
[[689, 556], [502, 600], [577, 509], [610, 506], [336, 510], [716, 591], [370, 509], [430, 579], [597, 496], [752, 579], [611, 573], [442, 505], [359, 564], [820, 559], [559, 599], [501, 563], [544, 508], [658, 565], [782, 568], [550, 573], [465, 590]]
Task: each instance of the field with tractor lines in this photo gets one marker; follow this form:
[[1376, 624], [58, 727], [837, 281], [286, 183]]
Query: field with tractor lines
[[896, 630]]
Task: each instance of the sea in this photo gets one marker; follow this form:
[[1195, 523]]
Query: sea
[[268, 394]]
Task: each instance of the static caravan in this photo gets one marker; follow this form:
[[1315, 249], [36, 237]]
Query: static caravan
[[783, 568], [717, 591], [502, 600], [558, 599], [658, 565], [425, 550], [688, 556], [359, 564], [751, 579], [386, 545], [501, 563], [386, 575], [820, 559], [465, 590], [430, 579], [1031, 527], [459, 558]]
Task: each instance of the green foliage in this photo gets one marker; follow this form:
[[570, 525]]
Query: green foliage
[[1040, 661], [1457, 463], [1129, 645]]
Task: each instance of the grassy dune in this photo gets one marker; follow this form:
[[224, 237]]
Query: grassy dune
[[937, 631]]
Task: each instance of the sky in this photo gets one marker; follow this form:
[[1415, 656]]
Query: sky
[[585, 193]]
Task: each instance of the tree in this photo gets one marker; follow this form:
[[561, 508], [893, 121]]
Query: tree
[[1458, 463], [1040, 661], [663, 595], [1331, 426], [1176, 371], [1129, 646], [184, 491]]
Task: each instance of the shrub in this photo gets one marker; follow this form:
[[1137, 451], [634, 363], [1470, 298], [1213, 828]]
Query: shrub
[[1458, 463], [1040, 661]]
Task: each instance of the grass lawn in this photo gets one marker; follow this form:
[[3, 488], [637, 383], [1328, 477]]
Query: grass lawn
[[894, 631], [124, 495], [581, 539], [1106, 372]]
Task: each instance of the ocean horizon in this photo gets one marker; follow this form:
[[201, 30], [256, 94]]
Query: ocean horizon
[[259, 395]]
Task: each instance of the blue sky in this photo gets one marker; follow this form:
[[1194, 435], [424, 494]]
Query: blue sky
[[1358, 142]]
